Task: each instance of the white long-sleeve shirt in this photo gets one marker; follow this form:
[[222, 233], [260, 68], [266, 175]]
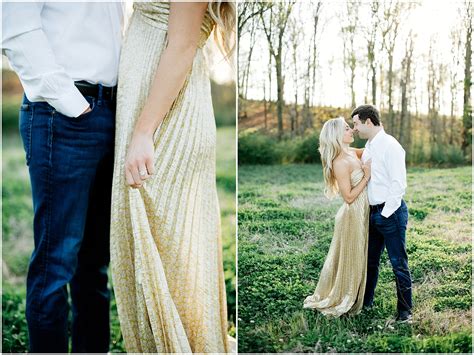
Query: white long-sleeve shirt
[[388, 179], [52, 44]]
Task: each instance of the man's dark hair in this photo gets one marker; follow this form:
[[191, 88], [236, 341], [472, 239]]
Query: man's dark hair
[[367, 111]]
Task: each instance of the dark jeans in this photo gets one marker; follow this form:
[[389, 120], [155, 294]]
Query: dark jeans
[[70, 162], [389, 232]]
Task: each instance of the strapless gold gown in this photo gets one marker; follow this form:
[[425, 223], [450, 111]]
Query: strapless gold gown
[[341, 284], [166, 252]]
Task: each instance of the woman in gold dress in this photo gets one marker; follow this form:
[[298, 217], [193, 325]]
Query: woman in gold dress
[[166, 252], [341, 285]]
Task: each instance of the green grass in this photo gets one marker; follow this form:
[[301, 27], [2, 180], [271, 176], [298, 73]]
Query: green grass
[[226, 177], [10, 107], [285, 229], [17, 217]]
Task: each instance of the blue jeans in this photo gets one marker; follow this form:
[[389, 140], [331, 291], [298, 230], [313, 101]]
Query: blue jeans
[[390, 233], [70, 162]]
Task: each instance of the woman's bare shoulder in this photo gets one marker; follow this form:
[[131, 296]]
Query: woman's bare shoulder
[[341, 164]]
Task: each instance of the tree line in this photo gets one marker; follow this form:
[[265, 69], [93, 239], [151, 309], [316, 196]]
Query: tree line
[[409, 103]]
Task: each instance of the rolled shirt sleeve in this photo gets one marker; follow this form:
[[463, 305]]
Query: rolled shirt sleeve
[[31, 56], [395, 161]]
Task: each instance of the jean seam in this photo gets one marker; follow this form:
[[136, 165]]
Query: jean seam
[[30, 128], [405, 303], [26, 138], [48, 212]]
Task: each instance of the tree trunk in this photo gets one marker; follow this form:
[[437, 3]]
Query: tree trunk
[[374, 84], [353, 68], [467, 109], [279, 95], [269, 84], [249, 58], [371, 49], [294, 123], [312, 88], [391, 114], [382, 88], [405, 84], [404, 111], [265, 104]]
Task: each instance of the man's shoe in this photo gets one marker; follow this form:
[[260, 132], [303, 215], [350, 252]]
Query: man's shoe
[[404, 317]]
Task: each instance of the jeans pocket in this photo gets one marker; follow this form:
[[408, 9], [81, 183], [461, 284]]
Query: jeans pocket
[[92, 103], [387, 224], [83, 117], [26, 123]]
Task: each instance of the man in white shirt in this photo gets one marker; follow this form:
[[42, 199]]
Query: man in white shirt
[[66, 56], [388, 211]]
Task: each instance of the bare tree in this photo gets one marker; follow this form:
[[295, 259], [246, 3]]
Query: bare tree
[[316, 8], [467, 108], [431, 90], [454, 80], [269, 110], [390, 24], [294, 40], [274, 27], [348, 31], [436, 74], [371, 37], [413, 103], [405, 82], [310, 73], [250, 15], [382, 87], [245, 76], [265, 104], [247, 11]]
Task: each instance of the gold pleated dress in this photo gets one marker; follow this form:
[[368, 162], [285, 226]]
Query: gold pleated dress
[[341, 284], [166, 252]]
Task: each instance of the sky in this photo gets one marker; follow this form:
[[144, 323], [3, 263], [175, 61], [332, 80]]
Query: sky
[[431, 18]]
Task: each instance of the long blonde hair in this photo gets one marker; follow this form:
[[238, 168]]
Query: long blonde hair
[[330, 146], [223, 14]]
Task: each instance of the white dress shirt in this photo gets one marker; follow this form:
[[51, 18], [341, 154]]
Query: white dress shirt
[[387, 183], [52, 44]]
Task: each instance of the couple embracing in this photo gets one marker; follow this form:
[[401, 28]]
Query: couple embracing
[[372, 182], [120, 143]]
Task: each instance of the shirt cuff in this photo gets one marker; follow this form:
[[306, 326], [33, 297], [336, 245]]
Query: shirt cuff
[[387, 212], [389, 209], [72, 103]]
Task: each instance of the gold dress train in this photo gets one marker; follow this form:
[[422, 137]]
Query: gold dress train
[[342, 280], [166, 252]]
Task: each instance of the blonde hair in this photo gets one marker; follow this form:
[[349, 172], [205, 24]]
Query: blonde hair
[[223, 14], [330, 146]]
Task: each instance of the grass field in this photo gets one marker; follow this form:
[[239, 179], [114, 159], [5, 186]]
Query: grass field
[[18, 237], [285, 229]]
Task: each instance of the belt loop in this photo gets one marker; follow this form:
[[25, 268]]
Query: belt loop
[[100, 94]]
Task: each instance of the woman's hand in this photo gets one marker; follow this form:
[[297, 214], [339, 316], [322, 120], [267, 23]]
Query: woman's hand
[[139, 160], [366, 167]]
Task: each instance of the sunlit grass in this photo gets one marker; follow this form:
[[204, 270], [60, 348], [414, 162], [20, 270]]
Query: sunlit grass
[[285, 228]]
